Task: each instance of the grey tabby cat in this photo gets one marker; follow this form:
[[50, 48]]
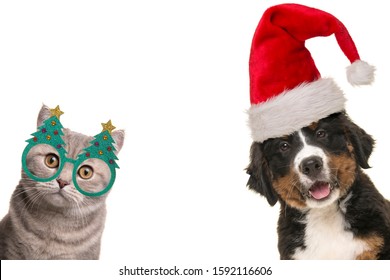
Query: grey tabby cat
[[52, 220]]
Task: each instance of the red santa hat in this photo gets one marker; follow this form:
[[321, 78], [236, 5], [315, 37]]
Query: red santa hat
[[286, 89]]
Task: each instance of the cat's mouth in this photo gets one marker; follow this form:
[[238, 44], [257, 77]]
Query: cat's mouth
[[57, 193], [60, 199]]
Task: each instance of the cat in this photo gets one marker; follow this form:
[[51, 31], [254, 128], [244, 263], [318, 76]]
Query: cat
[[53, 220]]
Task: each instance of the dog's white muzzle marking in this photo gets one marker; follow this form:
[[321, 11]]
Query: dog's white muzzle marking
[[306, 152]]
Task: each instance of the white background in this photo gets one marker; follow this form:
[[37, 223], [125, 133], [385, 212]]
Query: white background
[[174, 75]]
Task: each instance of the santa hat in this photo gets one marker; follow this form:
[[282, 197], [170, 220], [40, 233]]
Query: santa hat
[[286, 89]]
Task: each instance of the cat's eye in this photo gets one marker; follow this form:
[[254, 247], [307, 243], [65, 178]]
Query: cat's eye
[[85, 172], [52, 161]]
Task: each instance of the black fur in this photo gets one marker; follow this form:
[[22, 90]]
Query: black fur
[[362, 142], [290, 231], [367, 212], [260, 179]]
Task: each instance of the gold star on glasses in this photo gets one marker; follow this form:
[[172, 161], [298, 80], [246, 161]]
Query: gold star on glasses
[[108, 127], [56, 112]]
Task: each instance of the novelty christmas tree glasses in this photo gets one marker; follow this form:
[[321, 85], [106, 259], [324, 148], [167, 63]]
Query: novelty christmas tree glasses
[[49, 138]]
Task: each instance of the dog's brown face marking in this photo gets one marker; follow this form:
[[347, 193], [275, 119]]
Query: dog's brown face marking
[[313, 126], [288, 188], [343, 168]]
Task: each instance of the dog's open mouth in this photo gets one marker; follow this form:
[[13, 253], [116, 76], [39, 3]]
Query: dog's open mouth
[[320, 190]]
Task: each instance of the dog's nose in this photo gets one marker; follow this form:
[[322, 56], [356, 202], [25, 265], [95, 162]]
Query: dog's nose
[[311, 166]]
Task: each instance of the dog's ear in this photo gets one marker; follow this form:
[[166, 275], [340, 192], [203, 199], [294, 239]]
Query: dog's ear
[[260, 179], [362, 142]]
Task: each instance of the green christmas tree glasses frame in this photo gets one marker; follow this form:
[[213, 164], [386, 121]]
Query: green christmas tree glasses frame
[[101, 148]]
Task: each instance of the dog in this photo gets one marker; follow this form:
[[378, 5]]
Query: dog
[[330, 209]]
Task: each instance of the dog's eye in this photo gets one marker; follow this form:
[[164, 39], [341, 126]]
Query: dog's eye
[[284, 146], [321, 133]]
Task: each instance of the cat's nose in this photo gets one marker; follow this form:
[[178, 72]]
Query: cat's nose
[[62, 183]]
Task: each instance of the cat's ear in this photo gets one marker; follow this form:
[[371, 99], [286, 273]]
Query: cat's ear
[[43, 115], [119, 138]]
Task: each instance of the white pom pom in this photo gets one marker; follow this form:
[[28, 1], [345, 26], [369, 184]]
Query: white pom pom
[[360, 73]]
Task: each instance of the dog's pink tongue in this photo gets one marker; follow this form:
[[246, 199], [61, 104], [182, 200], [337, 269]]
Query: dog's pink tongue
[[320, 190]]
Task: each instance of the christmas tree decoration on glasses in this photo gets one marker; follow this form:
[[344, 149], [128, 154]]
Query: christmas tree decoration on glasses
[[47, 143]]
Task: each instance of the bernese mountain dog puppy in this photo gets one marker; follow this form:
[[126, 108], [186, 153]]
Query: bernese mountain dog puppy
[[329, 208]]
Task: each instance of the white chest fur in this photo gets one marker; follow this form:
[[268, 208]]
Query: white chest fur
[[327, 237]]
